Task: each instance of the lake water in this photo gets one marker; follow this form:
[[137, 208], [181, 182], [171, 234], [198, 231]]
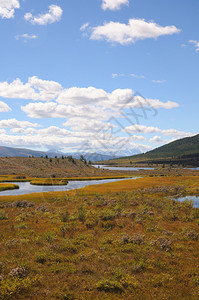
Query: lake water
[[27, 188], [195, 200], [121, 168]]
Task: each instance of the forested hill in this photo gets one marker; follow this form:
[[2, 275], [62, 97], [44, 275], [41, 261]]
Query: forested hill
[[183, 151], [180, 148]]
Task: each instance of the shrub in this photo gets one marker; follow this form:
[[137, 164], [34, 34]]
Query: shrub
[[82, 213], [108, 285], [109, 225], [64, 216], [50, 237], [63, 230], [3, 215], [41, 258], [192, 235], [91, 223], [108, 214]]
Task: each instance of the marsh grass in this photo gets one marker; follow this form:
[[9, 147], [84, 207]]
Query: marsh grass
[[134, 244]]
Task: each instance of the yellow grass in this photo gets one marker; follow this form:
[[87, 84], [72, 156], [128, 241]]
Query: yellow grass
[[4, 187], [101, 242]]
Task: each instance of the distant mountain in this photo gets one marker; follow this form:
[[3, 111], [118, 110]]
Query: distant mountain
[[93, 156], [23, 152], [11, 152]]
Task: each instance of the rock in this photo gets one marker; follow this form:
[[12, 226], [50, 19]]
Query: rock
[[42, 208], [192, 235], [18, 272]]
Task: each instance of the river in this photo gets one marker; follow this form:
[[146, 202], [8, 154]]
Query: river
[[121, 168], [27, 188]]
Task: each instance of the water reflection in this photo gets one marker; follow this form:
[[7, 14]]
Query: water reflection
[[121, 168], [195, 200], [27, 188]]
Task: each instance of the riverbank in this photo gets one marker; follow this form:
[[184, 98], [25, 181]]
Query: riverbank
[[5, 187]]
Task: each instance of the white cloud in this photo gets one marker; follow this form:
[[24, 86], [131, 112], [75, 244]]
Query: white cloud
[[4, 107], [50, 131], [137, 76], [54, 110], [7, 8], [86, 112], [26, 37], [84, 26], [92, 103], [53, 15], [34, 89], [151, 129], [139, 101], [157, 139], [113, 4], [76, 98], [115, 100], [61, 138], [39, 141], [159, 81], [13, 123], [81, 124], [114, 75], [196, 44], [136, 29]]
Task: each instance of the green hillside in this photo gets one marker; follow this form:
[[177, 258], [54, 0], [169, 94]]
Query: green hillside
[[185, 147], [180, 152]]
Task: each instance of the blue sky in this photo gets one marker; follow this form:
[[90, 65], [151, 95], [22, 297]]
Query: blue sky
[[98, 75]]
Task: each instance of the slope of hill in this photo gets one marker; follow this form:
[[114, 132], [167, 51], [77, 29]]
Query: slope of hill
[[184, 147], [46, 167], [183, 151]]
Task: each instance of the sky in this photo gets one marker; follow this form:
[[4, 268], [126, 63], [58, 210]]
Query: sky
[[107, 76]]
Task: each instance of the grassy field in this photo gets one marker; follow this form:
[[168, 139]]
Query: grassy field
[[47, 167], [4, 187], [122, 240]]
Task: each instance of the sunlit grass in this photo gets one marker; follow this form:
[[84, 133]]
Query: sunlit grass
[[122, 240]]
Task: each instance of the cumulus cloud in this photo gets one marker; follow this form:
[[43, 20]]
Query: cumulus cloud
[[4, 107], [7, 8], [151, 129], [75, 98], [34, 89], [114, 100], [92, 103], [53, 15], [196, 44], [38, 141], [13, 123], [49, 131], [136, 29], [87, 113], [113, 4], [26, 37], [157, 139], [58, 137]]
